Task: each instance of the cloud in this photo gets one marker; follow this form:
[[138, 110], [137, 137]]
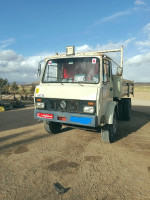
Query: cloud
[[147, 28], [139, 2], [110, 45], [119, 14], [9, 55], [144, 46], [137, 68], [15, 67], [111, 17], [6, 43], [83, 48]]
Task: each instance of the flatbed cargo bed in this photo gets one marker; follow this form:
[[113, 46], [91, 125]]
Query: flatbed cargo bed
[[122, 87]]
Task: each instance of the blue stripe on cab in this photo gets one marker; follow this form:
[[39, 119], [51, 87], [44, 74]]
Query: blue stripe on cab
[[81, 120]]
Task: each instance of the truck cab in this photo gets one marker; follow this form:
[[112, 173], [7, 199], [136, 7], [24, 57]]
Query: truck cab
[[77, 89]]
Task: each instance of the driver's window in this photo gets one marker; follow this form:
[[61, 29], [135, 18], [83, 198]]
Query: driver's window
[[50, 74], [106, 71]]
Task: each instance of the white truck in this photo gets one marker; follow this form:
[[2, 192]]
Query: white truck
[[80, 90]]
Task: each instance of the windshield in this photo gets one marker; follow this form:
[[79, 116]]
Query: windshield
[[85, 70]]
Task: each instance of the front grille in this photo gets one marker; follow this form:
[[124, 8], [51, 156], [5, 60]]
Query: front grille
[[71, 106]]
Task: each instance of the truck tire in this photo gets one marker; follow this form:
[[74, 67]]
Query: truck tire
[[52, 127], [127, 109], [109, 130]]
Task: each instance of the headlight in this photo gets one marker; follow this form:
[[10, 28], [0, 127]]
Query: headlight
[[40, 105], [88, 109]]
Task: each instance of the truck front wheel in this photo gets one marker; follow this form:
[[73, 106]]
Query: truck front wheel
[[52, 127], [109, 130]]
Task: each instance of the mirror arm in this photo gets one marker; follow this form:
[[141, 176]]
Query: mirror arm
[[115, 62], [39, 69]]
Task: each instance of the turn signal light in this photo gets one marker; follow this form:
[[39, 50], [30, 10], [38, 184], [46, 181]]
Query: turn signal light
[[39, 100], [91, 103]]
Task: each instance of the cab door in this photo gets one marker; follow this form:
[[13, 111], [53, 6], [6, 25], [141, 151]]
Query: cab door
[[107, 88]]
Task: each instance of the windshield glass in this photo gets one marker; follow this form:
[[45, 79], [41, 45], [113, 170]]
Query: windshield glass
[[85, 70]]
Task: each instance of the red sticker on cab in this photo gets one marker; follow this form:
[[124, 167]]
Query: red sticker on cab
[[50, 62], [93, 60]]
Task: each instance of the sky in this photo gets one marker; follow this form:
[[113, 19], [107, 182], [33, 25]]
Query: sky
[[31, 30]]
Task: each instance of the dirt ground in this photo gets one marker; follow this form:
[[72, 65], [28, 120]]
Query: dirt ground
[[31, 161]]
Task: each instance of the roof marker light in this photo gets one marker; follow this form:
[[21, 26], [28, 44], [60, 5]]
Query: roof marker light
[[70, 50]]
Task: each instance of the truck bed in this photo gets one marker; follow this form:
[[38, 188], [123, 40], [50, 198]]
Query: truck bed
[[122, 87]]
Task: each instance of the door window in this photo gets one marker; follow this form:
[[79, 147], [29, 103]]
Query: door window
[[106, 71]]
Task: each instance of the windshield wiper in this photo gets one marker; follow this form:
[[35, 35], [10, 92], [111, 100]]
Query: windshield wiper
[[78, 82], [51, 77]]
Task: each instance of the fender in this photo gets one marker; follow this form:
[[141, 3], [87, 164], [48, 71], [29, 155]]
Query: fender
[[110, 111]]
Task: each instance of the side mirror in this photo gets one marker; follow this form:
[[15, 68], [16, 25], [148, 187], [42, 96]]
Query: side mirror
[[39, 69], [119, 71]]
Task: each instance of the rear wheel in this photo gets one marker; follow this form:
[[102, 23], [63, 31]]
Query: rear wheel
[[52, 127], [109, 131]]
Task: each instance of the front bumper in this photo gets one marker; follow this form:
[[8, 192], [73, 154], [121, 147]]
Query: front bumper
[[66, 118]]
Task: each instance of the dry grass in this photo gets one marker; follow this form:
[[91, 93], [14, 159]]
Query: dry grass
[[142, 88], [142, 93]]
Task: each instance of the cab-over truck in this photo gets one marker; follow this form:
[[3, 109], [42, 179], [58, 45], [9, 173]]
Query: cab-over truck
[[80, 90]]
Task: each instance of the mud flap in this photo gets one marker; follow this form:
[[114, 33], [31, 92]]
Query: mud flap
[[110, 112]]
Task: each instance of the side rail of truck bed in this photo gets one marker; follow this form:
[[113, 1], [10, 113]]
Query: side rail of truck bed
[[127, 88], [122, 87]]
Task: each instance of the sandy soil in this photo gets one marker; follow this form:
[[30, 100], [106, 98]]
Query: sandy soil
[[31, 161]]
